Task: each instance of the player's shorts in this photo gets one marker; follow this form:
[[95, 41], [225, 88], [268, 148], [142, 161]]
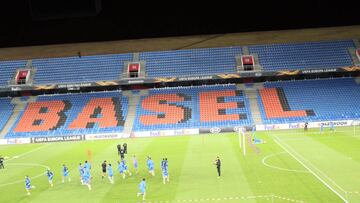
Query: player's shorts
[[151, 168], [28, 187], [66, 174], [104, 170], [142, 191], [135, 166], [111, 175], [165, 173], [86, 180]]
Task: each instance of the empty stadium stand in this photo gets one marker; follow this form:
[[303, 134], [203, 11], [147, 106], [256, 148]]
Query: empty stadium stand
[[192, 107], [76, 69], [309, 100], [8, 69], [207, 61], [72, 114], [328, 54], [191, 62], [6, 109]]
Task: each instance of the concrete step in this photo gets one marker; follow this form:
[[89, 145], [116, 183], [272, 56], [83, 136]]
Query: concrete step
[[251, 94], [19, 107]]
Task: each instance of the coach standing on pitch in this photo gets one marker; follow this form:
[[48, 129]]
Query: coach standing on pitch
[[218, 166]]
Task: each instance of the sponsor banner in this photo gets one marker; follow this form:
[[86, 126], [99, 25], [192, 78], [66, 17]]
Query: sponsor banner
[[243, 74], [70, 86], [165, 133], [103, 136], [195, 78], [216, 130], [3, 141], [329, 70], [327, 123], [58, 138], [302, 125], [18, 141]]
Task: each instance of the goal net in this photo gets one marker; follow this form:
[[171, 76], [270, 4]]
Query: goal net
[[356, 127], [241, 137]]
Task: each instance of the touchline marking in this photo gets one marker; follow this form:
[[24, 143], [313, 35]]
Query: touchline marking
[[25, 164], [327, 177], [312, 172], [20, 155], [280, 168], [217, 199]]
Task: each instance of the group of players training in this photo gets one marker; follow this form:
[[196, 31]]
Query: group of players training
[[85, 172]]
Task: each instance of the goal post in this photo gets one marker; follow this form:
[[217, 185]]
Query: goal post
[[356, 127], [241, 137]]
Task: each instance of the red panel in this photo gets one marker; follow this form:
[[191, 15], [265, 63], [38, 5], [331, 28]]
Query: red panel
[[209, 106], [273, 107], [106, 108], [48, 120], [170, 114], [134, 67], [248, 60], [358, 53], [22, 74]]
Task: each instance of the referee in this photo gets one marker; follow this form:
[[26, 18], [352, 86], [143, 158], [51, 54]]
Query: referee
[[218, 166]]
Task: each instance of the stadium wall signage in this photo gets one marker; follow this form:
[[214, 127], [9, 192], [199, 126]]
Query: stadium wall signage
[[57, 138], [103, 136], [126, 82], [301, 125]]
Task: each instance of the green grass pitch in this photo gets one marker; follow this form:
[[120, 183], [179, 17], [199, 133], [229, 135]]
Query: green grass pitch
[[292, 166]]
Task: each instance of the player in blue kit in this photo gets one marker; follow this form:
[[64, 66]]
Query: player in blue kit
[[87, 165], [50, 176], [321, 128], [110, 173], [165, 171], [151, 166], [81, 171], [123, 169], [87, 178], [332, 126], [65, 171], [136, 165], [142, 189], [28, 185]]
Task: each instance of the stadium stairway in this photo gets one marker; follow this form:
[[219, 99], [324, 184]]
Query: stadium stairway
[[251, 94], [134, 99], [19, 108]]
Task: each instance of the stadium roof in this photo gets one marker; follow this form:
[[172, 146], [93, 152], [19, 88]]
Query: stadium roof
[[38, 22]]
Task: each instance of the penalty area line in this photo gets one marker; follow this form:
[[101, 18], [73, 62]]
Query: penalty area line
[[277, 141]]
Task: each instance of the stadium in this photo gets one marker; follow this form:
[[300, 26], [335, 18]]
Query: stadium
[[270, 116]]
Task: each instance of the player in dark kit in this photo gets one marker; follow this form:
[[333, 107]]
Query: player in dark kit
[[218, 166], [306, 126], [1, 162], [122, 152], [103, 167], [118, 148], [125, 148]]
